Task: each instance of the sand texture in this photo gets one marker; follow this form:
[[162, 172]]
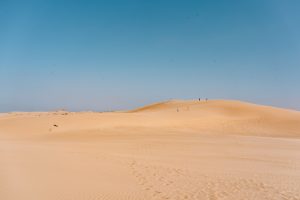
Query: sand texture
[[212, 150]]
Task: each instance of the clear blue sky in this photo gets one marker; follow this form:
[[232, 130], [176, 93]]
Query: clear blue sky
[[119, 54]]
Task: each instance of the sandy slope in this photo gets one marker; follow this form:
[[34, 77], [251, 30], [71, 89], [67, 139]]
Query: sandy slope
[[170, 150]]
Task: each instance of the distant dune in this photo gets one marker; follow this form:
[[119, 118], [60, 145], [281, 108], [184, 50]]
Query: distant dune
[[213, 116], [216, 149], [234, 117]]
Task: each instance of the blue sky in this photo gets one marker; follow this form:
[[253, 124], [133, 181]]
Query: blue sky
[[119, 54]]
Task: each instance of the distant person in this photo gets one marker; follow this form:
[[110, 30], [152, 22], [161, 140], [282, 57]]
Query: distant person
[[199, 99]]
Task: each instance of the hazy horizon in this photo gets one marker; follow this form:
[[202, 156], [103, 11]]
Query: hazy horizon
[[113, 55]]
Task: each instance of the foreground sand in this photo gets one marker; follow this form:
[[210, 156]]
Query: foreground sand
[[173, 150]]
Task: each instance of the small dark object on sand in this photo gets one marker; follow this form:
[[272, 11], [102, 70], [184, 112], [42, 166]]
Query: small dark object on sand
[[55, 125]]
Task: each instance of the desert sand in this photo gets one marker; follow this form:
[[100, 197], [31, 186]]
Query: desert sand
[[218, 149]]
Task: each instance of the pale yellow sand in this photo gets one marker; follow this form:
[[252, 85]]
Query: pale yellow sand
[[173, 150]]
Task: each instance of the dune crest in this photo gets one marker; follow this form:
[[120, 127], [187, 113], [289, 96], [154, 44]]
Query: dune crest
[[209, 117]]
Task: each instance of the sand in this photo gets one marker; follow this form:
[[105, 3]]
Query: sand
[[218, 149]]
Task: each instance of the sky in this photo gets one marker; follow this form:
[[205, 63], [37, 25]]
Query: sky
[[121, 54]]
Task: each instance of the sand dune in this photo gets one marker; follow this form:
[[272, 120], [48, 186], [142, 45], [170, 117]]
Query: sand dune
[[212, 117], [217, 149]]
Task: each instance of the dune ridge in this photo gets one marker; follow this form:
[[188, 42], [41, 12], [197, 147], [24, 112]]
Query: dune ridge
[[213, 116]]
